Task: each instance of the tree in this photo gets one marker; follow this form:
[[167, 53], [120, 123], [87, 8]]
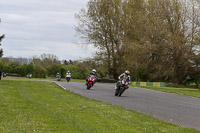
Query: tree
[[40, 71], [49, 59], [1, 37], [65, 62], [100, 25], [46, 60], [159, 37], [1, 50], [166, 45], [53, 69]]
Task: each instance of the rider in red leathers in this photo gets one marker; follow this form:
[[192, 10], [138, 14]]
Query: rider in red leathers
[[92, 73]]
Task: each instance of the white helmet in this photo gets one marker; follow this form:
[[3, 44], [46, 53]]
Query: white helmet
[[94, 70], [127, 72]]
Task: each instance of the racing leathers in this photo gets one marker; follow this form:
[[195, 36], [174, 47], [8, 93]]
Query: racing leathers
[[68, 74], [123, 76], [92, 73]]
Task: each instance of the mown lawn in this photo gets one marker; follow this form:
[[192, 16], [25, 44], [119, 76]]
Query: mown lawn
[[177, 90], [42, 79], [33, 106]]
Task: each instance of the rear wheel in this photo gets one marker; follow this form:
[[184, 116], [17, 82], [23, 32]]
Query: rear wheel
[[116, 93], [121, 91]]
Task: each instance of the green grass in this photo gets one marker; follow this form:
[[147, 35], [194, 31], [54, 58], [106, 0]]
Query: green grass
[[177, 90], [42, 79], [32, 106]]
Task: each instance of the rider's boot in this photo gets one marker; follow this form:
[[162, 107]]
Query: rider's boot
[[115, 87]]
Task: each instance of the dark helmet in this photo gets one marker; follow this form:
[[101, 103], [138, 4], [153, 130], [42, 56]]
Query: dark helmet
[[127, 72]]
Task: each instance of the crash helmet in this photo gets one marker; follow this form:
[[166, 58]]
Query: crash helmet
[[94, 71], [127, 72]]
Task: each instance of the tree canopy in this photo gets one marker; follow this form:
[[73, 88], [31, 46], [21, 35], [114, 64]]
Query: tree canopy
[[160, 37]]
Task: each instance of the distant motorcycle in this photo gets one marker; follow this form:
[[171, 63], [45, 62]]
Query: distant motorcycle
[[123, 85], [68, 78], [58, 77], [90, 81]]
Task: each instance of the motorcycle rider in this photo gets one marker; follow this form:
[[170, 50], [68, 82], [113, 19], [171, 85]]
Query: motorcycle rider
[[68, 75], [58, 76], [94, 72], [123, 76]]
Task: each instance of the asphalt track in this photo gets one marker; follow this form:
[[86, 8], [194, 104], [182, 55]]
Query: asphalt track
[[176, 109]]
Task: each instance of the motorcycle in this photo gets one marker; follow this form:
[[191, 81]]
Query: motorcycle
[[90, 81], [123, 85], [58, 77], [68, 78]]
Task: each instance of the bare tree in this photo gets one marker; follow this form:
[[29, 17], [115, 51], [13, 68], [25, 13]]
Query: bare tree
[[1, 50], [101, 25]]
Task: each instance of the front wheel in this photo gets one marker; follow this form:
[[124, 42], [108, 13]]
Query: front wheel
[[89, 86]]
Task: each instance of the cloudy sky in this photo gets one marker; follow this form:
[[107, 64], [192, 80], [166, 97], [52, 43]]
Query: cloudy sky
[[33, 27]]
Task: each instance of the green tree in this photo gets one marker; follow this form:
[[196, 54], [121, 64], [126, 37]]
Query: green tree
[[53, 69], [3, 66], [12, 67], [40, 71], [30, 68]]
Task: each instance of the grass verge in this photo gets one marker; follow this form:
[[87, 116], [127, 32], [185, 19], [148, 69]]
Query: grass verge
[[177, 90], [42, 79], [32, 106]]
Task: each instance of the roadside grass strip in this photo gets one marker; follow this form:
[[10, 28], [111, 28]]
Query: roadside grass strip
[[41, 107], [42, 79], [181, 91]]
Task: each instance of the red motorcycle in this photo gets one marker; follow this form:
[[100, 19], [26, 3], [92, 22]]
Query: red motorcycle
[[123, 85], [90, 81]]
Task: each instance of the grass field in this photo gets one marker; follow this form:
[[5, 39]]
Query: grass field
[[32, 106]]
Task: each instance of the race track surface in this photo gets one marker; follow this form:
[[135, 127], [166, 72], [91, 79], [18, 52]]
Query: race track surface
[[177, 109]]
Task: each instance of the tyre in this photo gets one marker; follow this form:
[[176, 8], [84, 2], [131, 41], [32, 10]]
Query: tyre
[[89, 86], [121, 91], [116, 93]]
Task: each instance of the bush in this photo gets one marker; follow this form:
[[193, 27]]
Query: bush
[[53, 70], [142, 74], [3, 66], [40, 72], [76, 72]]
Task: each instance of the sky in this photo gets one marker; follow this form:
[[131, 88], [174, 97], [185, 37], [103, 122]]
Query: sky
[[34, 27]]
